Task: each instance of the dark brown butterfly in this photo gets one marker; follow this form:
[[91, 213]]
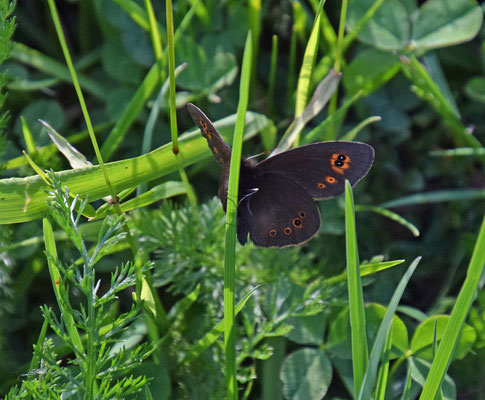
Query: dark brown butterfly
[[277, 196]]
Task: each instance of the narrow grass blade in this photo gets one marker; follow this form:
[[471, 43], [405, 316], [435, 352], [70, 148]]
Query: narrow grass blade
[[211, 336], [458, 316], [24, 199], [378, 347], [356, 297], [320, 132], [28, 137], [460, 151], [163, 191], [383, 374], [350, 135], [272, 72], [73, 155], [365, 270], [36, 59], [230, 246], [324, 91], [390, 215], [436, 197], [304, 79]]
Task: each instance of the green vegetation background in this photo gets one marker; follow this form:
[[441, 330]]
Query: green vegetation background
[[422, 73]]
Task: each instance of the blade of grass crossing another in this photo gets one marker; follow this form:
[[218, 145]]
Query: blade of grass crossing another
[[230, 245], [304, 79], [379, 344], [458, 316], [356, 297]]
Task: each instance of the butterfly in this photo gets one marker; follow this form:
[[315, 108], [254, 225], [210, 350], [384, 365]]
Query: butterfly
[[276, 204]]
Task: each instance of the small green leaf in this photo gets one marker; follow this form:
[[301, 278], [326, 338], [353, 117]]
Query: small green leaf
[[306, 375], [443, 23], [475, 88], [389, 29], [422, 341]]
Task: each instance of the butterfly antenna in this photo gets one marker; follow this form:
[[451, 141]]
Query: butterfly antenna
[[263, 153]]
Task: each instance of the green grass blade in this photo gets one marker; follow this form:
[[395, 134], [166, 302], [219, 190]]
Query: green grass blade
[[230, 246], [136, 104], [378, 347], [171, 73], [457, 319], [356, 297], [321, 131], [436, 197], [390, 215], [365, 269], [350, 135], [36, 59], [304, 79], [210, 337], [272, 72], [324, 91], [24, 199], [460, 151], [383, 374]]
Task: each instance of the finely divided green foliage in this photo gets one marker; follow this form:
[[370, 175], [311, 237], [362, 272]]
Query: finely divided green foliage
[[98, 360]]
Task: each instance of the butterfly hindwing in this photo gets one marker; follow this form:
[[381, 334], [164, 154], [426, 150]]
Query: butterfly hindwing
[[322, 168], [279, 213]]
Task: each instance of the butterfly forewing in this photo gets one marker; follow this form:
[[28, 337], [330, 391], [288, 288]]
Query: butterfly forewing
[[221, 151], [322, 168], [280, 213]]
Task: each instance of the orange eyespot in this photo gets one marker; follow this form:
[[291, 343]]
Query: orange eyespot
[[321, 185], [287, 230], [331, 180], [297, 223], [339, 163], [272, 232], [302, 214]]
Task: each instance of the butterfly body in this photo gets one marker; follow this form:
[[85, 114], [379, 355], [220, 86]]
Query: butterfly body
[[276, 201]]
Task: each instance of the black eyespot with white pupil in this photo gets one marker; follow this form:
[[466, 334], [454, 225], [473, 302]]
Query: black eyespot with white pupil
[[302, 214], [338, 163], [341, 157]]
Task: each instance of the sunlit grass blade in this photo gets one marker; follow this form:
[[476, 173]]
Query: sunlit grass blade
[[350, 135], [54, 68], [365, 270], [50, 149], [320, 98], [73, 155], [304, 78], [458, 316], [356, 296], [230, 237], [391, 215], [163, 191], [460, 151], [24, 199], [321, 131], [428, 90], [436, 197], [380, 341], [383, 373], [272, 72], [210, 337]]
